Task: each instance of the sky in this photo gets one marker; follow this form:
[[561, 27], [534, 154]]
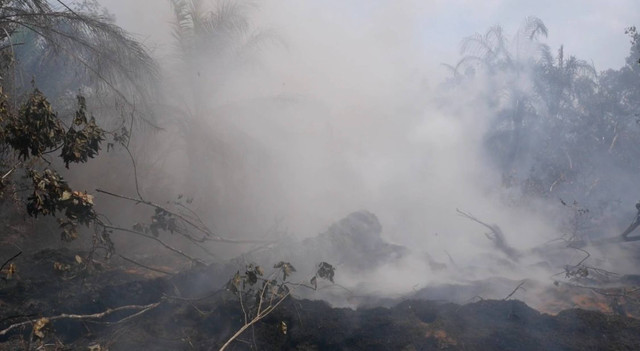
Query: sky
[[592, 30]]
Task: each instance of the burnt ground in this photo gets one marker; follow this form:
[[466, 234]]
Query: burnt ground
[[194, 314]]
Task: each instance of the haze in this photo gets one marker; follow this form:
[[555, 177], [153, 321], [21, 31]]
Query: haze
[[340, 107]]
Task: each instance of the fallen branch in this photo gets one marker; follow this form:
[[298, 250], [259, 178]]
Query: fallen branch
[[194, 299], [146, 267], [141, 309], [11, 170], [497, 238], [609, 240], [514, 290], [585, 252], [609, 291]]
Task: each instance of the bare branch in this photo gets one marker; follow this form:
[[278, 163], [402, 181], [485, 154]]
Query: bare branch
[[197, 226], [514, 290], [141, 309], [11, 170], [256, 319], [179, 252], [497, 238], [143, 266]]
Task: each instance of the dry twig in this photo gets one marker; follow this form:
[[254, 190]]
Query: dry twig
[[179, 252], [143, 266], [141, 309], [514, 290], [201, 227], [497, 238]]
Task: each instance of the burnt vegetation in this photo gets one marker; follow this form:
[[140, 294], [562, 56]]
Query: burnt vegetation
[[549, 136]]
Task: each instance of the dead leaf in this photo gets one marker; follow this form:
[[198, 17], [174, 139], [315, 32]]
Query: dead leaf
[[38, 326], [66, 195], [61, 267], [11, 270]]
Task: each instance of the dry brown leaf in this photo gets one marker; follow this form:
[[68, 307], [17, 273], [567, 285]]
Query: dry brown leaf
[[11, 270], [61, 267], [38, 326]]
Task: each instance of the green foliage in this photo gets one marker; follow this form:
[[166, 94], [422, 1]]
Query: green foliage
[[52, 194], [67, 47], [51, 37], [632, 32], [36, 128], [80, 145], [557, 127], [48, 190]]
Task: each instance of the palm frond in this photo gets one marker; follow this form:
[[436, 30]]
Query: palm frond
[[534, 27], [475, 45], [546, 57], [98, 47]]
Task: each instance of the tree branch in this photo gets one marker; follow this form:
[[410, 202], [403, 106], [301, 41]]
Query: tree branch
[[179, 252], [197, 226], [498, 237], [142, 309], [143, 266], [256, 319], [516, 289]]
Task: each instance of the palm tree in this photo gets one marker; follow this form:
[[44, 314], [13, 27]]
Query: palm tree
[[507, 62], [66, 48], [560, 81], [495, 52], [211, 44]]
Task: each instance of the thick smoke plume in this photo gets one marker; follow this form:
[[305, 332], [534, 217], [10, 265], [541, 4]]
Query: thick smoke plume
[[315, 110]]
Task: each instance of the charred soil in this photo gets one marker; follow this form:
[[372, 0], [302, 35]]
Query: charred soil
[[179, 312]]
